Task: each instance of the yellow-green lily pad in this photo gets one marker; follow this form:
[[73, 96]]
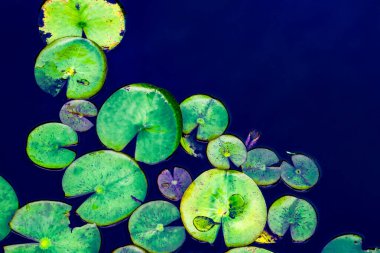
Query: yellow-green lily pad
[[8, 206], [76, 63], [227, 199], [75, 112], [349, 243], [129, 249], [249, 250], [46, 223], [150, 227], [114, 181], [99, 20]]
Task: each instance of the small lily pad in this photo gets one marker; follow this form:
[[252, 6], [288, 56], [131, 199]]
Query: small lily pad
[[114, 181], [205, 113], [249, 250], [303, 175], [129, 249], [260, 166], [150, 228], [224, 149], [150, 113], [227, 199], [46, 145], [8, 206], [99, 20], [173, 186], [294, 213], [78, 63], [74, 114], [47, 224], [347, 244]]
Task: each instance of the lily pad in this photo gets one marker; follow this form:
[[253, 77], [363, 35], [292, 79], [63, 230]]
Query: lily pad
[[145, 111], [227, 199], [173, 186], [129, 249], [46, 145], [295, 214], [114, 181], [192, 146], [303, 175], [249, 250], [78, 63], [150, 228], [8, 206], [348, 244], [224, 149], [205, 113], [99, 20], [74, 114], [266, 238], [47, 224], [252, 139], [260, 166]]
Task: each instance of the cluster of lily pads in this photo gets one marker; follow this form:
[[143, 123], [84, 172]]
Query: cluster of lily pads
[[227, 197]]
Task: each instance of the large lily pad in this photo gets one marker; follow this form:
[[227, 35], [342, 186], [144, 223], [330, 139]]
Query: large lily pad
[[249, 250], [129, 249], [225, 149], [347, 244], [303, 175], [205, 113], [295, 214], [46, 145], [99, 20], [8, 206], [145, 111], [78, 63], [260, 166], [150, 228], [74, 114], [115, 182], [173, 186], [228, 199], [47, 224]]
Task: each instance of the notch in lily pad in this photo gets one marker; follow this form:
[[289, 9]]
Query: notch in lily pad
[[173, 186], [99, 20], [114, 182], [249, 250], [129, 249], [75, 112], [8, 206], [150, 227], [225, 149], [302, 175], [349, 243], [47, 224], [294, 214], [192, 146], [76, 63], [47, 145]]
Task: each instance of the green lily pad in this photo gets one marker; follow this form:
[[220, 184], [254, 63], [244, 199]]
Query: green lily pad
[[205, 113], [78, 63], [150, 113], [8, 206], [129, 249], [249, 250], [99, 20], [303, 175], [224, 149], [115, 182], [295, 214], [150, 228], [348, 244], [192, 146], [227, 199], [260, 166], [46, 145], [74, 114], [47, 224]]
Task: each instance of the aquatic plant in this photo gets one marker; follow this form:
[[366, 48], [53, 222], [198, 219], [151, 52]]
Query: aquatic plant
[[249, 250], [348, 244], [129, 249], [8, 206], [74, 114], [173, 186]]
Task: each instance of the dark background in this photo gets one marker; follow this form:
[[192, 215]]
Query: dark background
[[303, 72]]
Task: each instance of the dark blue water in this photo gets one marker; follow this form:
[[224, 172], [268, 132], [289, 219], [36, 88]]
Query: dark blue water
[[305, 73]]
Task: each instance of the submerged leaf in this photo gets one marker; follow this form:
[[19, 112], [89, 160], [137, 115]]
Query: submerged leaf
[[173, 187], [203, 223], [74, 114]]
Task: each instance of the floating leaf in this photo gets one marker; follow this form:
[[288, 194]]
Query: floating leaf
[[224, 149], [99, 20], [46, 145], [74, 114], [8, 206], [173, 186], [150, 113], [129, 249], [249, 250], [347, 244], [227, 197], [303, 175], [205, 113], [266, 238], [260, 166], [192, 146], [47, 224], [116, 184], [77, 62], [296, 214], [203, 223], [149, 227]]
